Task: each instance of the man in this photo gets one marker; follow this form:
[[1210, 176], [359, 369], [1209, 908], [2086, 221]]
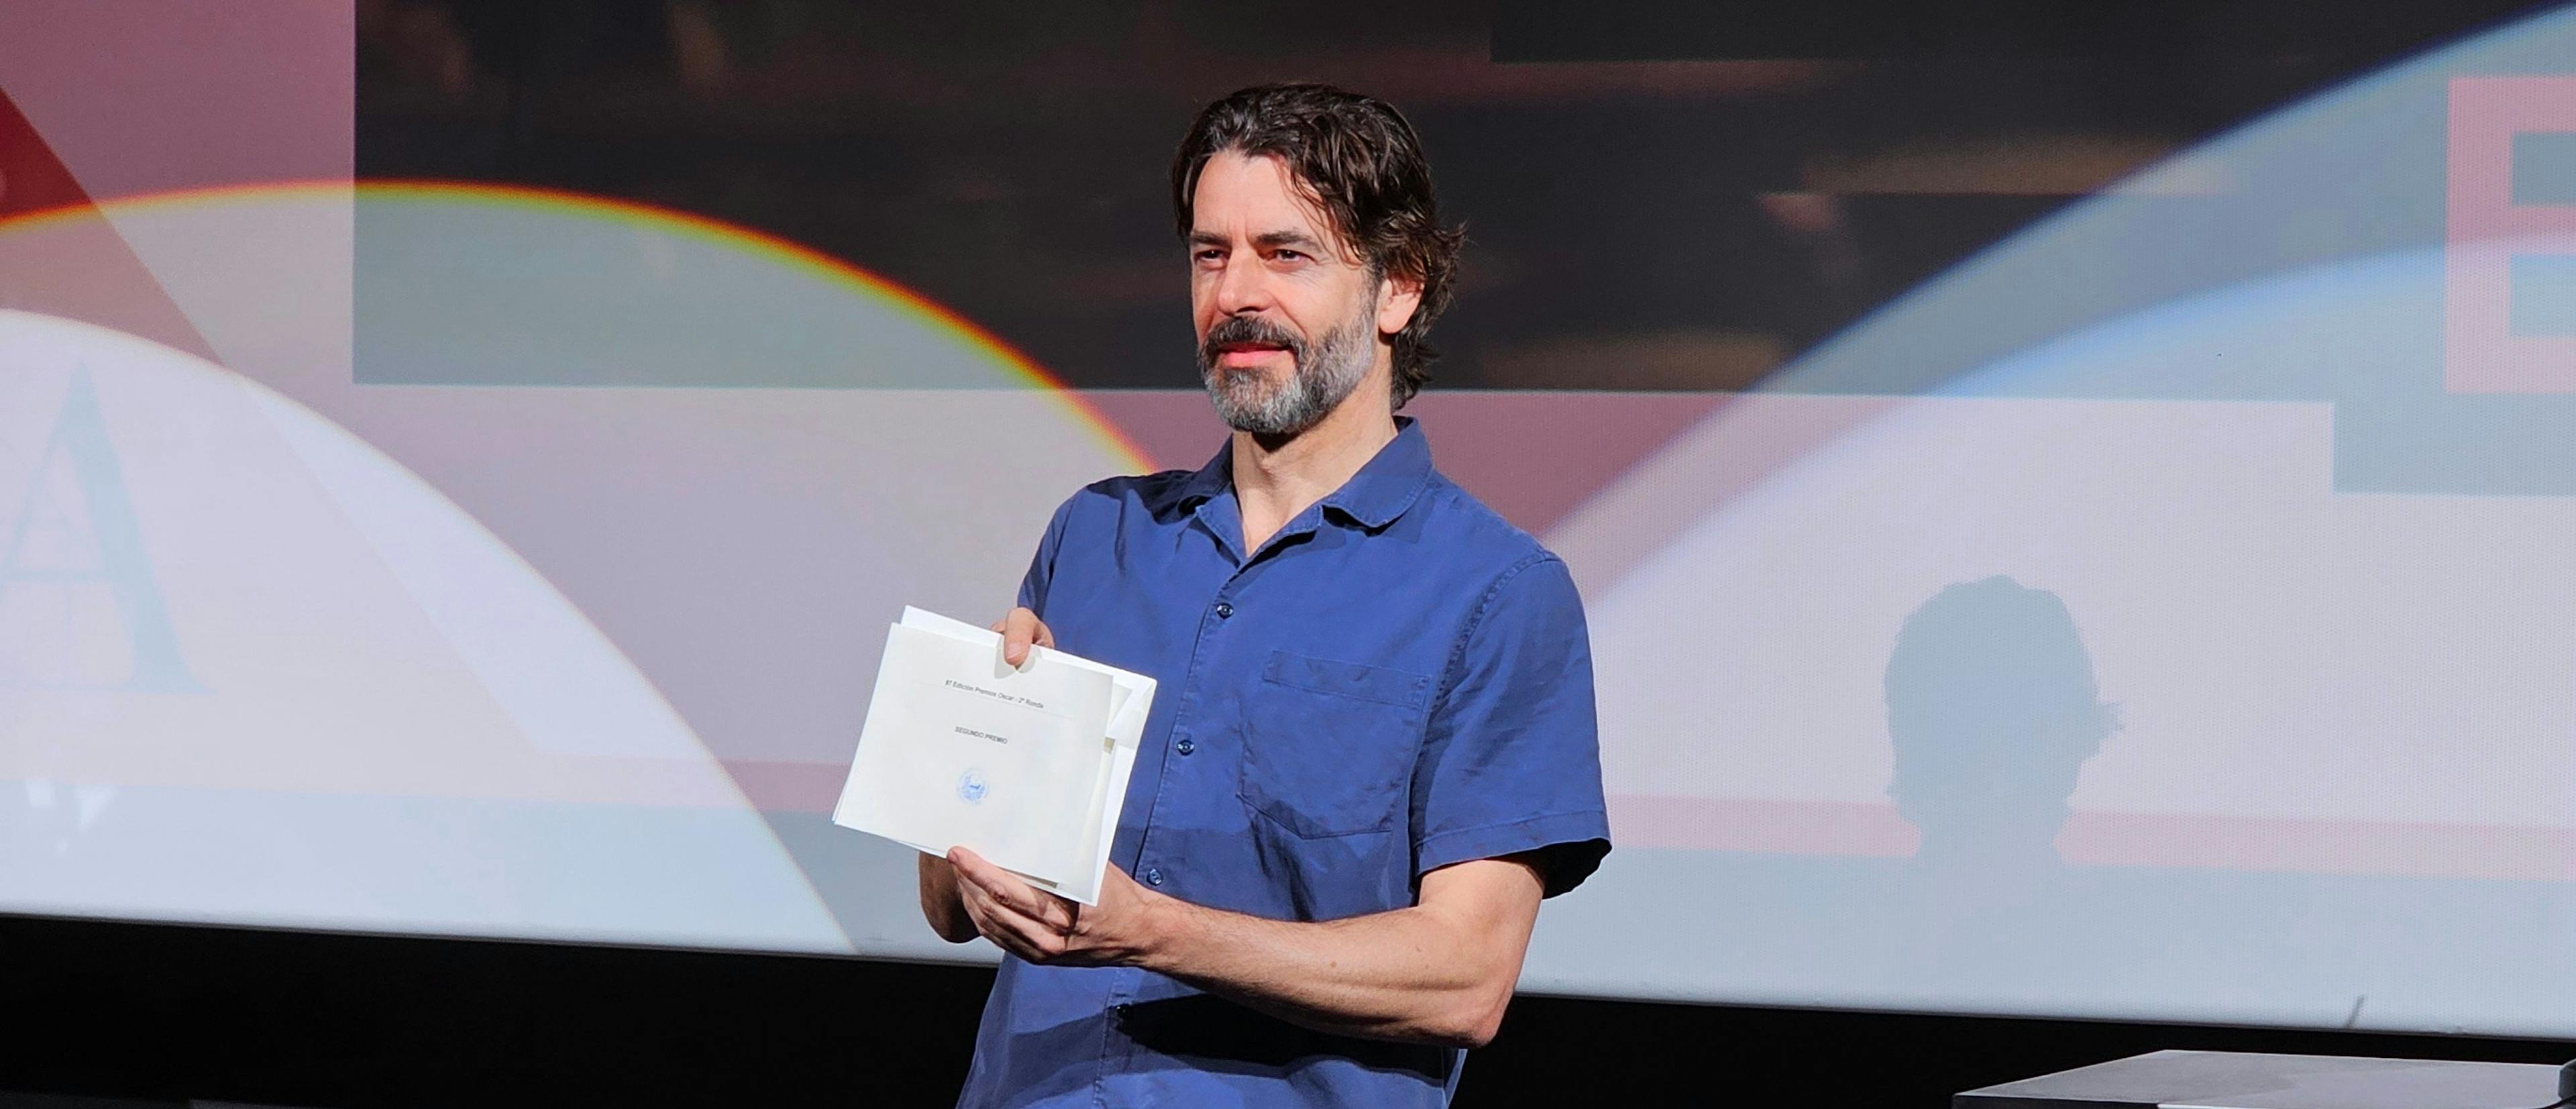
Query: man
[[1372, 751]]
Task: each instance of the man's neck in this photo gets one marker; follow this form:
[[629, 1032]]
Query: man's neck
[[1275, 479]]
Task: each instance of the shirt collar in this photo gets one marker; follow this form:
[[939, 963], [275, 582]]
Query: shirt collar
[[1391, 481], [1388, 485], [1214, 478]]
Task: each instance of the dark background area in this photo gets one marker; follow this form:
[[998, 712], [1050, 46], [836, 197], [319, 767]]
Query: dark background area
[[1660, 196], [342, 1022], [1657, 195]]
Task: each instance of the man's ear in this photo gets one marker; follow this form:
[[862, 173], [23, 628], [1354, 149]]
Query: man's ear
[[1398, 297]]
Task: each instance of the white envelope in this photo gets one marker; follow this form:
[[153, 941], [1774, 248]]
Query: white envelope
[[1028, 766]]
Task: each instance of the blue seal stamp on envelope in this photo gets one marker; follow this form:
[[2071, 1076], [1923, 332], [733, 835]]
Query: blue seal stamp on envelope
[[970, 786]]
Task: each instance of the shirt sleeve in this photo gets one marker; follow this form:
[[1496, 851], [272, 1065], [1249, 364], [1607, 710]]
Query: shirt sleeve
[[1033, 585], [1511, 757]]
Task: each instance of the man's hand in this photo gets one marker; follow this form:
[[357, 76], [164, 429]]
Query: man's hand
[[1043, 928], [1019, 629]]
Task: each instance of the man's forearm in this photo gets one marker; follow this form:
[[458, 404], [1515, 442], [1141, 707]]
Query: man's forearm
[[940, 904], [1440, 972], [1417, 974]]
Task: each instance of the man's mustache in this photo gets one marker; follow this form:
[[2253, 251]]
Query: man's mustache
[[1249, 331]]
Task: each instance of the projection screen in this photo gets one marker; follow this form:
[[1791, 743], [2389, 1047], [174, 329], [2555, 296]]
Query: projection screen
[[2162, 613]]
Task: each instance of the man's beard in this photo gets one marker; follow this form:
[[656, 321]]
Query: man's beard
[[1322, 375]]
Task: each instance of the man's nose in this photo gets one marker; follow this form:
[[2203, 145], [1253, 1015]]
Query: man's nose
[[1241, 288]]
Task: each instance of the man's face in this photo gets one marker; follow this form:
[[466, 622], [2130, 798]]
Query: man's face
[[1288, 317]]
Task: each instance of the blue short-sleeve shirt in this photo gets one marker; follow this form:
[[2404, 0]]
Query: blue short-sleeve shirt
[[1397, 681]]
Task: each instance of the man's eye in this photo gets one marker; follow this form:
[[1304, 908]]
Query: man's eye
[[1290, 256]]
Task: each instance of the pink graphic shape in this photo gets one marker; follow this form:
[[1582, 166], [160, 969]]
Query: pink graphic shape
[[2485, 229]]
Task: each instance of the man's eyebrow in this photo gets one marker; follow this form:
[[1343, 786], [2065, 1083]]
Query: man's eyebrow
[[1270, 240], [1297, 239]]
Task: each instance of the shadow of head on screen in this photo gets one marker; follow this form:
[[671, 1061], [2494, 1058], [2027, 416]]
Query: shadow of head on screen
[[1992, 710]]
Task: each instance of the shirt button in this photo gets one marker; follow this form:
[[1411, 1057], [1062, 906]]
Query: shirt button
[[1185, 746], [1224, 610], [1153, 875]]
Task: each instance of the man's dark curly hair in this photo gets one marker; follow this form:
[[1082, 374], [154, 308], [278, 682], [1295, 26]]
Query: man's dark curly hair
[[1357, 159]]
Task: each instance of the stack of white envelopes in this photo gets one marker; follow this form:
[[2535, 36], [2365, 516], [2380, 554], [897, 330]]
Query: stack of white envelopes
[[1026, 766]]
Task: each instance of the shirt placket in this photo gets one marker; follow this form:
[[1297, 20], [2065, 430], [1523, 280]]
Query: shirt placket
[[1118, 1049]]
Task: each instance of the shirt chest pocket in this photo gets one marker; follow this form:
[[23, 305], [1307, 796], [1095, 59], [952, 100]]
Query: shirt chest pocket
[[1328, 746]]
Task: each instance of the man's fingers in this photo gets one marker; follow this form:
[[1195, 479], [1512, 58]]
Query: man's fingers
[[1028, 901], [1010, 930], [975, 868], [1008, 891], [991, 924], [1047, 909], [1019, 629], [1027, 938]]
